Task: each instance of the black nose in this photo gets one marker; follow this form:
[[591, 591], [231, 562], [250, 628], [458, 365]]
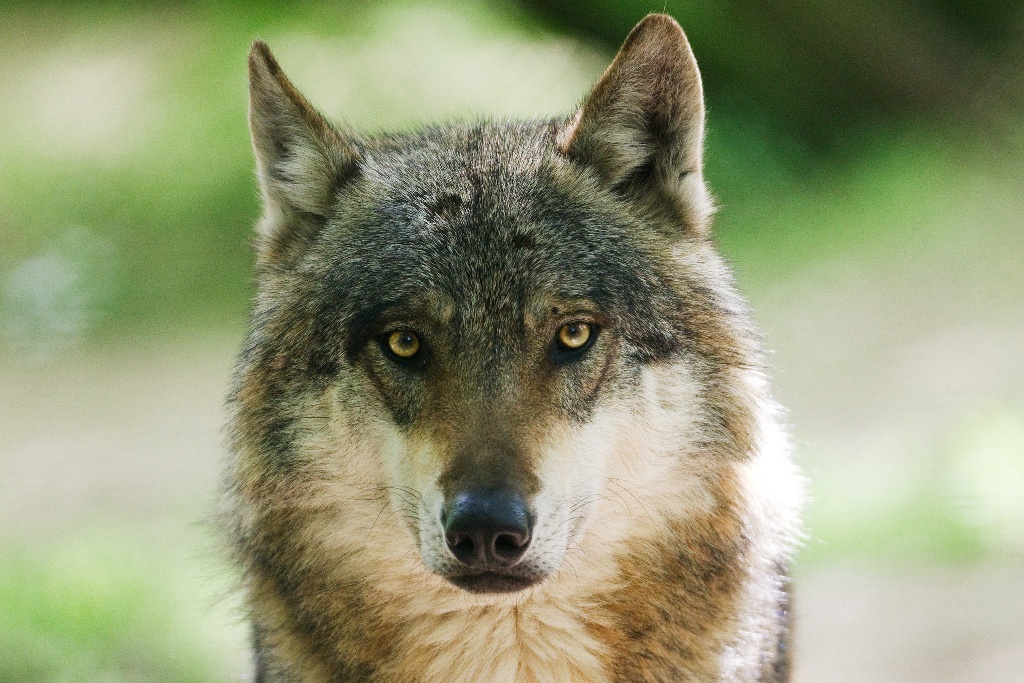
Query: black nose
[[487, 529]]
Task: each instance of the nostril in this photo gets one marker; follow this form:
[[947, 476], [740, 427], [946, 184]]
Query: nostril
[[510, 547], [462, 546]]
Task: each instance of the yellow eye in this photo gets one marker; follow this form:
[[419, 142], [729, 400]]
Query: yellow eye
[[574, 336], [403, 343]]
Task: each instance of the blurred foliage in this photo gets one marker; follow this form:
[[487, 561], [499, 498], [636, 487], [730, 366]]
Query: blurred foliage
[[819, 70], [962, 505], [106, 605]]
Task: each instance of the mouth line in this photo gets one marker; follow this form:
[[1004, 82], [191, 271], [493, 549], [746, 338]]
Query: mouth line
[[492, 582]]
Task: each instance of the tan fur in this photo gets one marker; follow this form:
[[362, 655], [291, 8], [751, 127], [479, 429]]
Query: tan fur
[[560, 630]]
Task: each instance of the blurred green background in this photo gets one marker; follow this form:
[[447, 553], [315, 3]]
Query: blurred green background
[[868, 159]]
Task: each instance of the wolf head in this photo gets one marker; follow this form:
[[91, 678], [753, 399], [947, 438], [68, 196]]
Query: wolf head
[[465, 338]]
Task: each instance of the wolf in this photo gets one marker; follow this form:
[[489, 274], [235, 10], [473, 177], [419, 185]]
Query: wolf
[[501, 415]]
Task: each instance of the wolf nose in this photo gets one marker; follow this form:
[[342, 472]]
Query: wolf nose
[[487, 528]]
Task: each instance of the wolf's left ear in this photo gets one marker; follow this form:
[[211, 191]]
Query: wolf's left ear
[[642, 126], [300, 157]]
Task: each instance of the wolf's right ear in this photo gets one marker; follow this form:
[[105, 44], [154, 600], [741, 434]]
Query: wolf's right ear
[[301, 158], [641, 128]]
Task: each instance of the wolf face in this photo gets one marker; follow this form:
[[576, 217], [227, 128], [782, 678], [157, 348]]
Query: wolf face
[[479, 353]]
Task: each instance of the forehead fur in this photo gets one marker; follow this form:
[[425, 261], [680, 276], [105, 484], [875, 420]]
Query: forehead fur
[[491, 218]]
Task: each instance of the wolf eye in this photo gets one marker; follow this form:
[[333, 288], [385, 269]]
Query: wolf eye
[[574, 336], [403, 344]]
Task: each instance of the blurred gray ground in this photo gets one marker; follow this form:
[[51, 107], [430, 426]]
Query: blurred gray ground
[[119, 433], [937, 625]]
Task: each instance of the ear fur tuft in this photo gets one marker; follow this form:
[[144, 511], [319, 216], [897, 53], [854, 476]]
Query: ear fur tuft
[[641, 128], [301, 159]]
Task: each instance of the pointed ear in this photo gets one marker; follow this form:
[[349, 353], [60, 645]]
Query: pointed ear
[[301, 158], [642, 126]]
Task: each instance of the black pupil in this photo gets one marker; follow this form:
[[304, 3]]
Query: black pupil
[[406, 341]]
